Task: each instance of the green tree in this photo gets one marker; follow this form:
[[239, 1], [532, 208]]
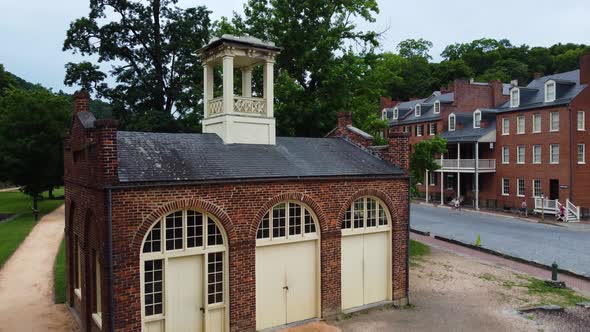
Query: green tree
[[32, 127], [422, 158], [412, 48], [5, 81], [151, 47], [312, 34]]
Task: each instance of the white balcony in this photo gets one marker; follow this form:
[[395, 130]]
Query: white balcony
[[466, 165], [242, 105]]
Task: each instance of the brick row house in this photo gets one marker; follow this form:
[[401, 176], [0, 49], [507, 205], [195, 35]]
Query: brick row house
[[234, 229], [506, 143]]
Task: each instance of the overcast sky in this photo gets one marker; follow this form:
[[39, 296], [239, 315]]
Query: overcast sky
[[32, 31]]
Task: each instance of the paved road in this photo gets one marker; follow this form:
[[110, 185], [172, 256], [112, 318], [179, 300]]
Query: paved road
[[537, 242]]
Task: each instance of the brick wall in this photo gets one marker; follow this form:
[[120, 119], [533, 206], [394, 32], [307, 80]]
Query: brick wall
[[581, 185]]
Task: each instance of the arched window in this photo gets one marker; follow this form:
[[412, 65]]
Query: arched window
[[287, 221], [452, 122], [515, 97], [366, 213], [550, 91], [476, 119], [186, 241], [436, 107], [418, 110]]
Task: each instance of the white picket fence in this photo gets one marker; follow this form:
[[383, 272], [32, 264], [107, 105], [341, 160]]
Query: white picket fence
[[552, 206]]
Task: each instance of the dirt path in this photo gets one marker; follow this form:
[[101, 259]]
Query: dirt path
[[26, 281]]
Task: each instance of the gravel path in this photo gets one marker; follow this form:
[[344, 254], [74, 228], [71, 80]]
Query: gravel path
[[26, 282]]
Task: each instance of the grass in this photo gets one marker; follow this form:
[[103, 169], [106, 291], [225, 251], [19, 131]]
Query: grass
[[564, 297], [59, 274], [13, 232], [418, 249]]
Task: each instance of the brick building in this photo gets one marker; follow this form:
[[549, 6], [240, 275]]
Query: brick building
[[513, 144], [233, 229]]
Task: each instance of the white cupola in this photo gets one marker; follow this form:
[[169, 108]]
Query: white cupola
[[241, 119]]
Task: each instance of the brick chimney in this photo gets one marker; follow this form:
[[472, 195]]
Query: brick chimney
[[398, 152], [344, 119], [81, 101], [497, 95], [537, 75], [585, 68], [386, 102]]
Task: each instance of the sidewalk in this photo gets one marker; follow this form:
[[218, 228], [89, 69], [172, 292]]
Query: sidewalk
[[9, 189], [532, 218]]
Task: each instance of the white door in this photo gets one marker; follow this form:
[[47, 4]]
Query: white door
[[365, 269], [184, 299], [286, 283]]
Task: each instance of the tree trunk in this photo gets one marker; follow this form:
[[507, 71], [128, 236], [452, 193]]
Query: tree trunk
[[51, 193]]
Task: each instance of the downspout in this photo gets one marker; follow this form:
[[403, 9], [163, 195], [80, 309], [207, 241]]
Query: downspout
[[571, 153], [408, 243], [110, 258]]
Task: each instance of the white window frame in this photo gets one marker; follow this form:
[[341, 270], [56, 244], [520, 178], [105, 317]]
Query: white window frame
[[551, 115], [419, 130], [381, 211], [515, 92], [520, 181], [520, 152], [505, 155], [581, 121], [505, 126], [534, 118], [436, 107], [406, 129], [477, 119], [418, 110], [535, 160], [505, 181], [395, 113], [520, 122], [431, 129], [583, 153], [453, 122], [432, 178], [551, 159], [550, 86], [535, 193], [97, 314]]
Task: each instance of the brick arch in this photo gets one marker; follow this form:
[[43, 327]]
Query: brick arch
[[183, 204], [291, 196], [369, 192]]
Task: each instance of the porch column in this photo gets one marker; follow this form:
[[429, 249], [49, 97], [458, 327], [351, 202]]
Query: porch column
[[247, 82], [476, 175], [228, 84], [268, 87], [442, 189], [207, 87], [458, 173], [426, 181]]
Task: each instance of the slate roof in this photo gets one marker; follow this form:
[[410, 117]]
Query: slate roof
[[533, 95], [406, 109], [160, 157], [468, 133]]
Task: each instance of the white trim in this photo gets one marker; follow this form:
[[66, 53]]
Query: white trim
[[581, 126], [418, 110], [431, 129], [436, 107], [419, 130], [554, 88], [540, 186], [513, 92], [97, 317], [537, 115], [518, 161], [475, 124], [540, 154], [505, 158], [551, 121], [505, 126], [505, 193], [551, 161], [78, 292], [288, 237], [583, 153], [395, 113], [452, 115], [518, 193], [520, 120]]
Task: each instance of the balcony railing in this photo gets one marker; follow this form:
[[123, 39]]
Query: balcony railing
[[246, 105], [467, 164]]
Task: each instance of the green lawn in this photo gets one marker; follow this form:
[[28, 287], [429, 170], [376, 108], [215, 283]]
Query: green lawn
[[59, 274], [418, 249], [13, 232]]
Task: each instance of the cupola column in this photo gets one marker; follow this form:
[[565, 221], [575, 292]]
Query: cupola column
[[268, 87], [247, 82], [228, 84]]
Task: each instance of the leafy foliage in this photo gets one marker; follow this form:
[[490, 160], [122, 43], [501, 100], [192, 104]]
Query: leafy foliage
[[151, 47], [32, 127], [422, 157]]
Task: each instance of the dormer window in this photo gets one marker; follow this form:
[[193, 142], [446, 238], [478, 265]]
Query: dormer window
[[395, 113], [477, 119], [418, 110], [550, 91], [515, 97], [384, 114], [436, 107], [452, 122]]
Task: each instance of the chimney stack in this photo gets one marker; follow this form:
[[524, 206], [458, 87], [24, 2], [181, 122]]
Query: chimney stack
[[81, 101], [537, 75], [514, 82], [398, 151], [585, 68], [344, 119]]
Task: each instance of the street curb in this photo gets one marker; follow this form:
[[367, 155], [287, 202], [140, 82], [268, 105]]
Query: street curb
[[506, 256], [419, 232]]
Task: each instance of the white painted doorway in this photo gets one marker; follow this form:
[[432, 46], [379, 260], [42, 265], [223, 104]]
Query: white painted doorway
[[366, 254], [183, 274], [287, 266]]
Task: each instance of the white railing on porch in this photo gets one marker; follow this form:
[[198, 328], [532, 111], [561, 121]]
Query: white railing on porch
[[468, 164], [552, 206], [247, 105]]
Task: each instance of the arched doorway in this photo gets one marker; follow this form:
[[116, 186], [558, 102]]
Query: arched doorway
[[287, 266], [366, 253], [184, 274]]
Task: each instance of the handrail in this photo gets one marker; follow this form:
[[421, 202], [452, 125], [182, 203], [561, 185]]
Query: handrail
[[571, 207]]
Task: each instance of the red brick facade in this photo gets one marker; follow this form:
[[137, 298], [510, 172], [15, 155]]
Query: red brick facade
[[97, 203]]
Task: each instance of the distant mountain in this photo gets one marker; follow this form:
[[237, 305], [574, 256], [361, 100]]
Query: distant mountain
[[99, 108]]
